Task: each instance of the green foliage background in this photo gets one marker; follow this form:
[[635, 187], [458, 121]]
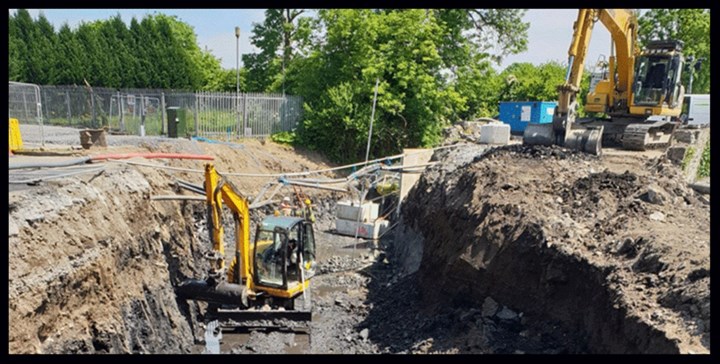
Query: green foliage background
[[434, 66]]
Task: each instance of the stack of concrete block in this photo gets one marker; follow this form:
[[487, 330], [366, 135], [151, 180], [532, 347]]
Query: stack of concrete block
[[495, 133], [369, 226]]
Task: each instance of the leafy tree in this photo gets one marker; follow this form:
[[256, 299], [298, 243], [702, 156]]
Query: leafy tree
[[69, 62], [159, 51], [16, 47], [94, 52], [692, 26], [400, 48], [480, 84], [31, 48], [493, 33], [280, 37], [226, 80]]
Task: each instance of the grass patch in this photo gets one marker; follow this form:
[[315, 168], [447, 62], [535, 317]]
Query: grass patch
[[704, 168], [689, 153]]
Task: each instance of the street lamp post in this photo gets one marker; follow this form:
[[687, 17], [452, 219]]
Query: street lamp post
[[237, 76]]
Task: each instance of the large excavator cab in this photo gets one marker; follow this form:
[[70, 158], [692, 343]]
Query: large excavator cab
[[657, 75], [657, 80]]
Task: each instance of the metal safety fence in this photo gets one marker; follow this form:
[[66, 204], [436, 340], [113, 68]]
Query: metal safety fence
[[225, 115], [229, 115], [24, 104]]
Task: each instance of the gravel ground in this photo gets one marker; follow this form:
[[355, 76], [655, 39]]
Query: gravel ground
[[55, 136]]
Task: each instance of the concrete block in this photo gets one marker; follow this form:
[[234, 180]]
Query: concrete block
[[687, 135], [676, 154], [368, 230], [348, 210], [495, 134]]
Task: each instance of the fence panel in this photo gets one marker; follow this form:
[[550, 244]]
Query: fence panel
[[25, 104], [217, 115]]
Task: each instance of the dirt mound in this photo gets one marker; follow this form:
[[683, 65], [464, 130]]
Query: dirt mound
[[619, 259]]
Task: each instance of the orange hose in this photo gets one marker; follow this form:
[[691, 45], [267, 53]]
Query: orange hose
[[152, 156]]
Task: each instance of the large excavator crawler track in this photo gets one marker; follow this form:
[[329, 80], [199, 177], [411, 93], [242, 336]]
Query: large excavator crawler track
[[656, 135]]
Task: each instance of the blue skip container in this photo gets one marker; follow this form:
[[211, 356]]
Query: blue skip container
[[518, 114]]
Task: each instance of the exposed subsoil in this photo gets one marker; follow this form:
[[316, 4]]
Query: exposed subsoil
[[618, 259], [522, 250]]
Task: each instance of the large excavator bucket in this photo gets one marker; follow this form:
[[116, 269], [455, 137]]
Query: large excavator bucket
[[586, 139], [539, 134]]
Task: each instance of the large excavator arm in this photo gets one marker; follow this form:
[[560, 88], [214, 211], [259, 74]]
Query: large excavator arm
[[622, 25]]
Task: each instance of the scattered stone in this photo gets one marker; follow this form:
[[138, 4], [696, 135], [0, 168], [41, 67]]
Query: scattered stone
[[467, 315], [35, 218], [364, 333], [625, 247], [698, 274], [489, 307], [657, 216], [653, 195], [13, 229], [649, 262], [506, 314]]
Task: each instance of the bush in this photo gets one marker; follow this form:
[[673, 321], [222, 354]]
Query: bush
[[284, 137]]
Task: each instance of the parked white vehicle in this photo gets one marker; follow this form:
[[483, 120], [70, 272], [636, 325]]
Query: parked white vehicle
[[696, 110]]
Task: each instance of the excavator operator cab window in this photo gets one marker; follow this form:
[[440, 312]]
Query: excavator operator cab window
[[270, 257], [655, 80], [293, 253], [308, 250], [308, 243]]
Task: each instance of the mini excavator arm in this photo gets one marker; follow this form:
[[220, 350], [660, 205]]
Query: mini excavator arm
[[217, 191]]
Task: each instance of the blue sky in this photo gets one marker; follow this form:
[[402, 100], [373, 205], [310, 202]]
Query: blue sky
[[548, 37]]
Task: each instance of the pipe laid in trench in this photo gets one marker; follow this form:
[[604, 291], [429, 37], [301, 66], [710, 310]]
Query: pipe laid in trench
[[701, 187], [177, 197], [152, 156], [46, 164], [222, 293]]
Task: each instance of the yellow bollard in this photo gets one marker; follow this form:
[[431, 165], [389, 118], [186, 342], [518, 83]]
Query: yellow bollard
[[15, 137]]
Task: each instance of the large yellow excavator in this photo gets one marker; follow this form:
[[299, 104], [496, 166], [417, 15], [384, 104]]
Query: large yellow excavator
[[265, 277], [639, 99]]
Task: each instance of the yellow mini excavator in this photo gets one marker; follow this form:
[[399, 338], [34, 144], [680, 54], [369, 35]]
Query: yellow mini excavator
[[265, 277], [639, 99]]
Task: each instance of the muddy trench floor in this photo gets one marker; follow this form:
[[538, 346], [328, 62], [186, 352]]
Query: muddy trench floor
[[362, 304]]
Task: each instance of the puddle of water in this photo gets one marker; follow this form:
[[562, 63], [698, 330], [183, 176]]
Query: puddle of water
[[231, 340]]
